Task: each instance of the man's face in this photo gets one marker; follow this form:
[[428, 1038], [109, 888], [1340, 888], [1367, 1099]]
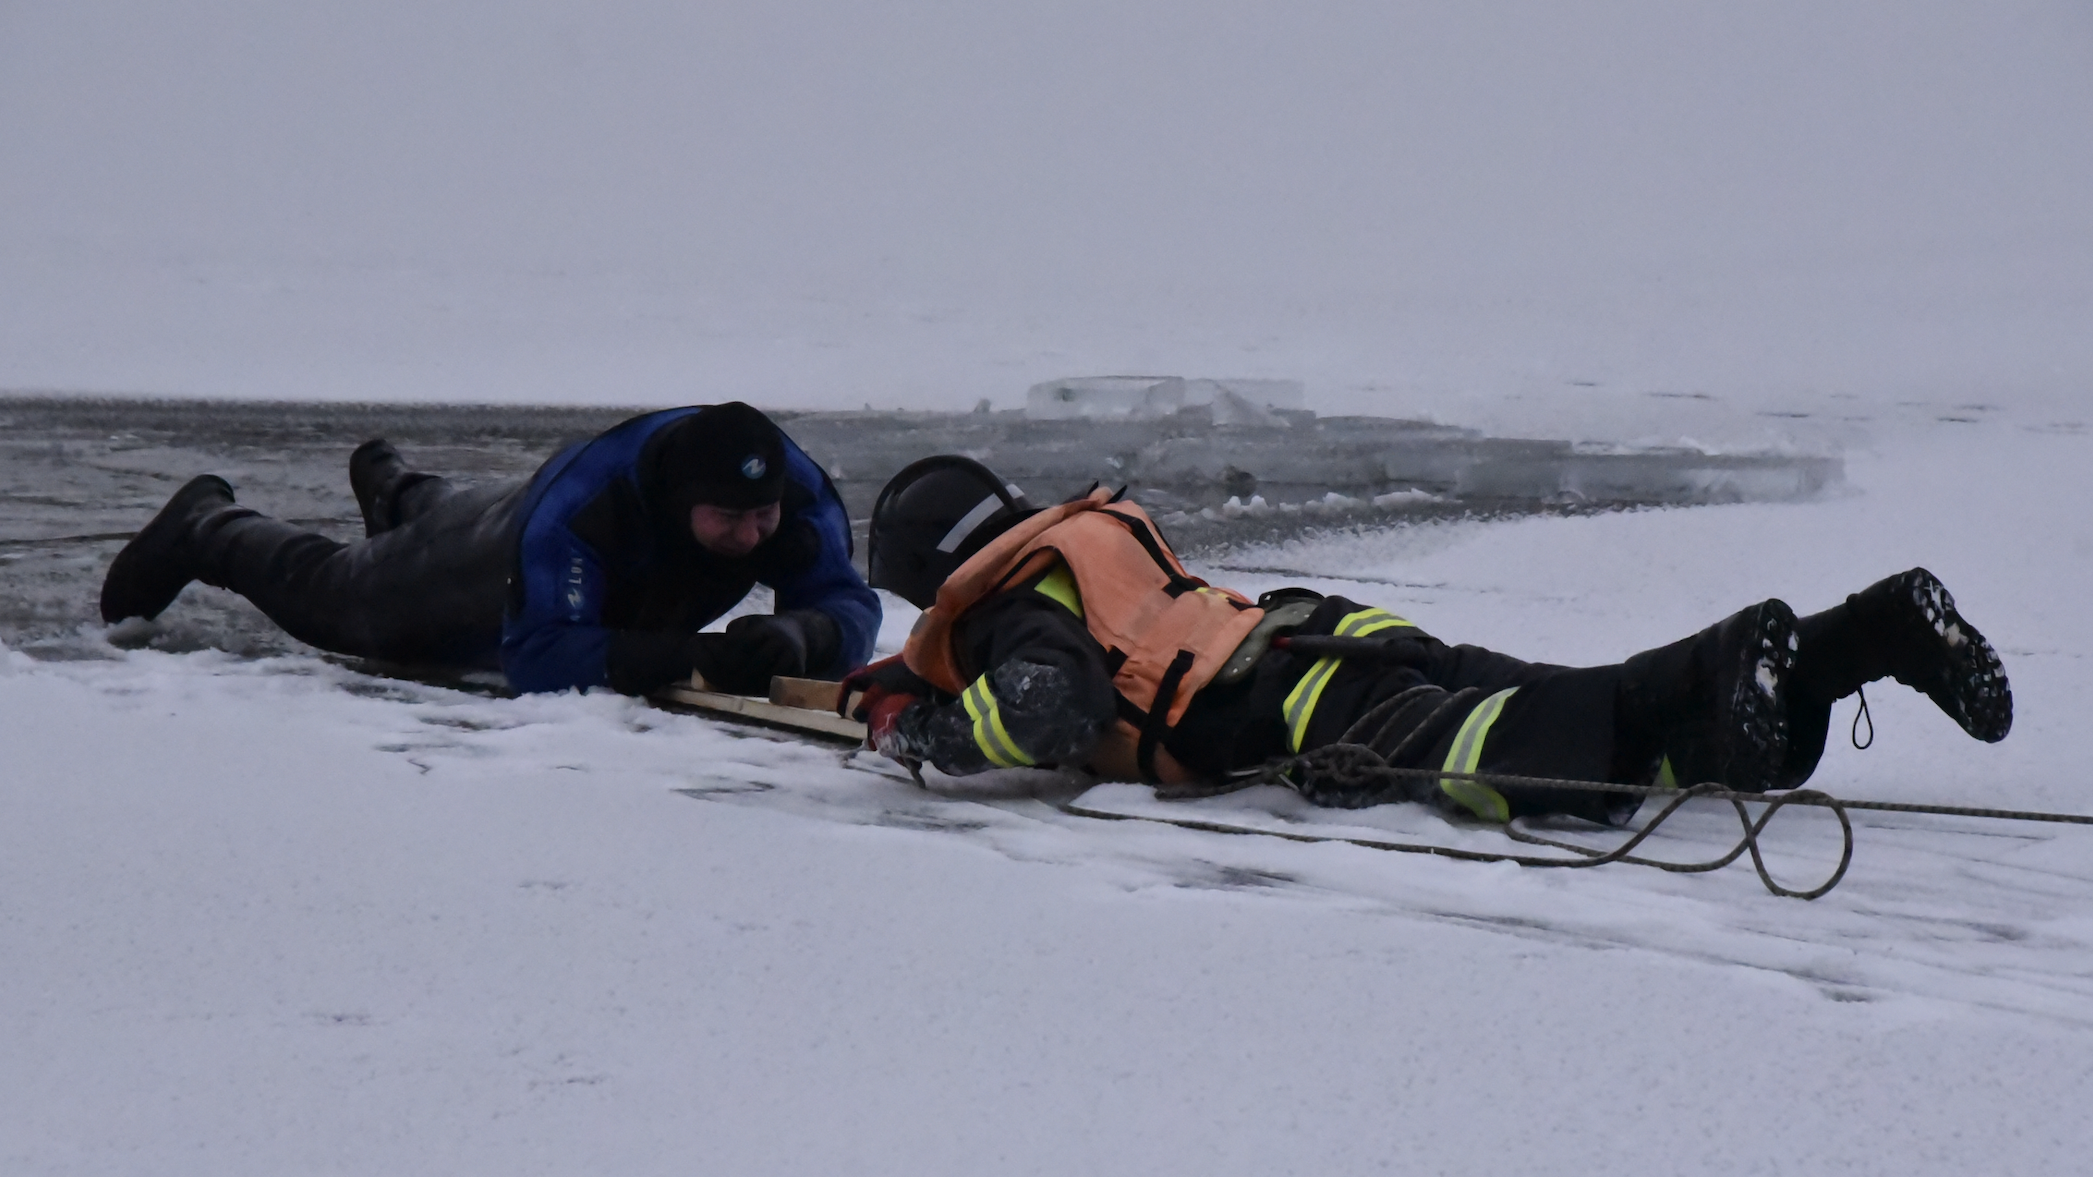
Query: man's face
[[732, 532]]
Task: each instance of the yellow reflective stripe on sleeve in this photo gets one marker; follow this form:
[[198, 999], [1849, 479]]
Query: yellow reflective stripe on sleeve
[[1300, 702], [1467, 752], [1060, 586], [1368, 621], [989, 733]]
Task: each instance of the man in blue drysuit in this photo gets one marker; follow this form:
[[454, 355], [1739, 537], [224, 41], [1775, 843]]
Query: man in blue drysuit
[[599, 571]]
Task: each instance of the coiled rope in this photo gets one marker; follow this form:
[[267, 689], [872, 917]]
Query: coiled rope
[[1356, 764]]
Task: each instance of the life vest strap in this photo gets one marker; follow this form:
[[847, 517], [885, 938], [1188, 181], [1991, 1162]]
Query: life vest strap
[[1156, 724], [1180, 584]]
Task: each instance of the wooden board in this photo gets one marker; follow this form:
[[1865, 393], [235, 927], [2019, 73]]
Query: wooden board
[[815, 694], [795, 704]]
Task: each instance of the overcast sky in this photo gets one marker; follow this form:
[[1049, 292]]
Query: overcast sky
[[944, 194]]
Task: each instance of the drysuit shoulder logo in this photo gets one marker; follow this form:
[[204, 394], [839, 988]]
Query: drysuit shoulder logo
[[576, 574], [753, 467]]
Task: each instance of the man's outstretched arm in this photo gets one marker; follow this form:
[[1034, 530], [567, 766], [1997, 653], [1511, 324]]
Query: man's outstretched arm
[[827, 584], [1043, 697]]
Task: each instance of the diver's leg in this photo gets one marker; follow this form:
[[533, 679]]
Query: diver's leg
[[430, 591], [387, 492]]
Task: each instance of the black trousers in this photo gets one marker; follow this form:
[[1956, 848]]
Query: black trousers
[[1558, 721], [428, 592], [1568, 723]]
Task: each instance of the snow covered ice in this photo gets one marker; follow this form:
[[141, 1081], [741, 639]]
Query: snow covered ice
[[264, 913], [287, 917]]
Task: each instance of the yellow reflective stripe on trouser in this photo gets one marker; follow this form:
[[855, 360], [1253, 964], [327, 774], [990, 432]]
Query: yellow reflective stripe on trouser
[[1467, 752], [995, 742], [1300, 702]]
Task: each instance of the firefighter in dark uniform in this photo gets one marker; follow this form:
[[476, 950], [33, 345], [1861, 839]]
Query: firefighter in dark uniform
[[1073, 636]]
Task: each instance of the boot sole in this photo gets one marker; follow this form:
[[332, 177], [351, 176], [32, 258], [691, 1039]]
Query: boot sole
[[1976, 694], [1757, 723]]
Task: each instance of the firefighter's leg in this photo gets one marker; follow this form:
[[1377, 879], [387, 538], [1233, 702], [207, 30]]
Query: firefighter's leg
[[1466, 710], [1711, 707], [1558, 724], [1906, 628]]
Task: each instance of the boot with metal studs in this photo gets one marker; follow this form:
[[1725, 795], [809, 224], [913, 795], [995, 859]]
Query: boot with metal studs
[[1906, 628], [1712, 708], [1912, 633]]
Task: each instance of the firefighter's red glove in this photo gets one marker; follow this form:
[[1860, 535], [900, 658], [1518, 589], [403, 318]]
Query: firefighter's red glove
[[888, 676], [888, 688], [882, 717]]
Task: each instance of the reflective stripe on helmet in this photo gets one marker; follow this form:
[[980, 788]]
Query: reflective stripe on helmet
[[1300, 703], [968, 522], [1467, 752], [989, 733]]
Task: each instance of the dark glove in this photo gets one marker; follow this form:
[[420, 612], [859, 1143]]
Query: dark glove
[[640, 662], [707, 654], [753, 649]]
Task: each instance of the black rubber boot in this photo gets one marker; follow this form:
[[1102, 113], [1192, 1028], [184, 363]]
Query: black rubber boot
[[1713, 706], [1906, 628], [381, 481], [151, 570]]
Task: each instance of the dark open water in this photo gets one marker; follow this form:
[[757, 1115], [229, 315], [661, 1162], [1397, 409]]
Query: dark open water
[[77, 477]]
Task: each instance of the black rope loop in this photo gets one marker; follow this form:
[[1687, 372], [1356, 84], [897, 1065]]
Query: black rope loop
[[1341, 776], [1859, 715], [1749, 841], [1352, 776]]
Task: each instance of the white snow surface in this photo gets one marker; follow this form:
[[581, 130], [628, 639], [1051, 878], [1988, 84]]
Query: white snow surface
[[268, 917], [278, 916]]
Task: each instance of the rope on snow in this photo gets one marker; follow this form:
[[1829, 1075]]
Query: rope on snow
[[1357, 764]]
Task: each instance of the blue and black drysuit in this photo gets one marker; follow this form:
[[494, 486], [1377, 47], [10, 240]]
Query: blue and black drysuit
[[607, 591], [572, 579]]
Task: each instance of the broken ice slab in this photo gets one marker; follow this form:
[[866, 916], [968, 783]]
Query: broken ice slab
[[1240, 401], [1287, 395], [1188, 464], [1105, 398]]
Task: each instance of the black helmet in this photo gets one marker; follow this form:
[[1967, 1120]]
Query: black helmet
[[931, 518]]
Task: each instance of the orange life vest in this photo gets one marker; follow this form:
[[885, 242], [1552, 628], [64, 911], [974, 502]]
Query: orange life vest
[[1166, 633]]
